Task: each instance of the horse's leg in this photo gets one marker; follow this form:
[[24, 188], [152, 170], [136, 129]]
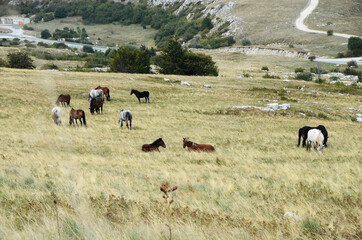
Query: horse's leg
[[102, 109], [139, 100], [130, 124], [121, 123], [127, 123]]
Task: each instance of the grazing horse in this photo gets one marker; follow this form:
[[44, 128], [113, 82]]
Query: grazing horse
[[95, 104], [95, 93], [153, 146], [63, 99], [105, 91], [144, 94], [191, 146], [56, 115], [316, 137], [303, 133], [125, 115], [77, 114]]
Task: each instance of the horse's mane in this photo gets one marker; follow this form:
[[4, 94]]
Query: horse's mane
[[189, 141], [154, 143]]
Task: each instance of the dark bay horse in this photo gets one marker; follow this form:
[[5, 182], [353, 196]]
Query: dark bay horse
[[191, 146], [144, 94], [105, 91], [77, 114], [303, 133], [153, 146], [95, 104], [63, 99]]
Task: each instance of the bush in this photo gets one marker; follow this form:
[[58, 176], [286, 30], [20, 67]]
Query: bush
[[306, 76], [20, 60], [265, 68], [130, 60], [88, 49], [246, 42], [60, 45], [315, 70], [355, 46], [60, 12], [212, 43], [42, 55], [329, 32], [50, 66], [299, 70], [267, 75], [311, 226], [3, 63], [340, 55], [352, 64], [45, 34], [311, 58], [353, 71], [42, 44], [26, 27]]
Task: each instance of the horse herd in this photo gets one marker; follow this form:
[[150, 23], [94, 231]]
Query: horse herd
[[317, 136]]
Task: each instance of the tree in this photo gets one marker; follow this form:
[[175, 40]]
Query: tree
[[45, 34], [88, 49], [20, 60], [176, 60], [60, 12], [355, 46], [206, 23], [130, 60]]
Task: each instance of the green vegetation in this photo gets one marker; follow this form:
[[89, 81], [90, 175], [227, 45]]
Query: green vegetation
[[267, 75], [69, 34], [45, 34], [355, 46], [130, 60], [20, 60], [306, 76], [329, 32]]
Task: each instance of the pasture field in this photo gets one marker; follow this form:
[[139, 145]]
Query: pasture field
[[107, 188]]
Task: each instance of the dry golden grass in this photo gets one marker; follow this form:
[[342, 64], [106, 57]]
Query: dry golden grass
[[107, 188]]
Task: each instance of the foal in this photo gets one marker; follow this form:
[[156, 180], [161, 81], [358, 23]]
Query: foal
[[153, 146], [191, 146], [56, 115], [316, 137], [303, 133], [144, 94], [77, 114], [63, 99], [125, 115]]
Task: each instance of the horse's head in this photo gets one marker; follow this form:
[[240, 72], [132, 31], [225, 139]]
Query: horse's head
[[132, 91], [186, 141], [161, 142]]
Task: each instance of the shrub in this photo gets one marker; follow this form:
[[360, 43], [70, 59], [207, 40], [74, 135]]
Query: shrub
[[212, 43], [130, 60], [42, 55], [315, 70], [306, 76], [51, 66], [59, 45], [60, 12], [311, 226], [311, 58], [340, 55], [291, 45], [30, 45], [3, 63], [267, 75], [329, 32], [20, 60], [246, 42], [88, 49], [265, 68], [42, 44], [26, 27], [352, 64], [355, 46], [45, 34], [299, 70]]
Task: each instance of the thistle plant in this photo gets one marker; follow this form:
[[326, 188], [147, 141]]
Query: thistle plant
[[168, 201]]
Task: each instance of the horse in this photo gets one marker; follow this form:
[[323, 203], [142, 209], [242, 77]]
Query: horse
[[316, 137], [125, 115], [105, 91], [303, 133], [95, 93], [56, 115], [95, 104], [153, 146], [77, 114], [144, 94], [63, 99], [191, 146]]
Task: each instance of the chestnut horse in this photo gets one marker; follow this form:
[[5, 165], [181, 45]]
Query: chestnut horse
[[191, 146], [105, 91], [63, 99], [153, 146], [77, 114]]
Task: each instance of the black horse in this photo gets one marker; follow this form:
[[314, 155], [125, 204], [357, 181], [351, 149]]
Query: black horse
[[144, 94], [95, 104], [303, 133]]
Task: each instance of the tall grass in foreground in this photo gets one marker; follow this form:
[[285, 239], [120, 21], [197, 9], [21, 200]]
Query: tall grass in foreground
[[108, 188]]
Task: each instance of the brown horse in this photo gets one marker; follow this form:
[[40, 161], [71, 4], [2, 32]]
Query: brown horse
[[105, 91], [77, 114], [191, 146], [63, 99], [95, 104], [153, 146]]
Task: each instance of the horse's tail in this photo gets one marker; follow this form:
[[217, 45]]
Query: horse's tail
[[83, 116], [109, 95], [299, 136]]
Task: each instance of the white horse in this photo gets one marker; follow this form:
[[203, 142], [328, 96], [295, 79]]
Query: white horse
[[56, 115], [95, 93], [125, 115], [316, 137]]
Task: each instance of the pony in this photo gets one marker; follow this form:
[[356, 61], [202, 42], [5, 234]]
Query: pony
[[77, 114], [191, 146], [95, 104], [95, 93], [63, 99], [303, 133], [153, 146], [316, 137], [125, 115], [105, 91], [144, 94], [56, 115]]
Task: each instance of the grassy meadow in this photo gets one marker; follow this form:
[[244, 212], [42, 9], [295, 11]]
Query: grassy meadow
[[107, 188]]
